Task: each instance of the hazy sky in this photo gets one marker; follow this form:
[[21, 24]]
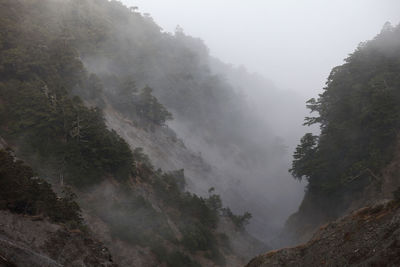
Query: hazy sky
[[294, 43]]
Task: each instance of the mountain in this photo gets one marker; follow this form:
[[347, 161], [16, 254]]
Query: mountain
[[346, 166], [351, 167], [138, 144], [143, 129], [224, 133], [237, 143]]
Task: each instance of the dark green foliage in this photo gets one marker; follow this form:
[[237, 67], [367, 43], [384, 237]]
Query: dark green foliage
[[52, 128], [160, 251], [178, 259], [50, 110], [62, 132], [139, 105], [396, 194], [174, 258], [196, 217], [196, 207], [359, 117], [214, 202], [121, 46], [304, 156], [217, 257], [240, 221], [148, 107], [142, 159], [197, 237], [169, 187], [132, 219], [23, 192]]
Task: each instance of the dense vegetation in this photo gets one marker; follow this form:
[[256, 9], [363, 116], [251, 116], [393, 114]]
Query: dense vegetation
[[359, 117], [140, 106], [125, 54], [22, 192], [130, 54], [39, 73], [51, 113], [134, 218]]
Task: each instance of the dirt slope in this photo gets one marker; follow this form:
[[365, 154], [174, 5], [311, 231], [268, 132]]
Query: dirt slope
[[34, 242], [367, 237]]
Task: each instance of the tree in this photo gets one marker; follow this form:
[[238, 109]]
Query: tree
[[304, 156], [150, 109]]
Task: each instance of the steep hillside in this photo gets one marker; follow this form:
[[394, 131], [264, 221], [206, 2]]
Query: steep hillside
[[37, 227], [367, 237], [51, 114], [28, 241], [213, 114], [144, 79], [353, 161]]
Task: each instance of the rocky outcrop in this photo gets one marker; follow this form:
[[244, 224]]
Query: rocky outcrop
[[35, 242], [367, 237]]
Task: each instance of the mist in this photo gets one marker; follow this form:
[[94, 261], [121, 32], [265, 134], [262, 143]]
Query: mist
[[277, 55], [236, 87], [178, 133], [293, 43]]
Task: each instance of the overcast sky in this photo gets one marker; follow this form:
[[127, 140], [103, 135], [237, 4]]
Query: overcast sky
[[294, 43]]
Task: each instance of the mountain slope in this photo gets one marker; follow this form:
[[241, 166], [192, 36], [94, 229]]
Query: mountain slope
[[37, 227], [33, 241], [130, 62], [367, 237], [213, 115], [359, 117], [51, 114]]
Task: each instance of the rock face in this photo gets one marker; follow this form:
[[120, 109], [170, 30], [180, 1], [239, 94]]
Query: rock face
[[34, 242], [367, 237]]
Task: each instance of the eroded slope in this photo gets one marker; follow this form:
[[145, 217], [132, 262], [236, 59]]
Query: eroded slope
[[367, 237]]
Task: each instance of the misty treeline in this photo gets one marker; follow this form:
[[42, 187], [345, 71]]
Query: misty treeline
[[359, 116], [128, 52], [151, 77], [51, 115]]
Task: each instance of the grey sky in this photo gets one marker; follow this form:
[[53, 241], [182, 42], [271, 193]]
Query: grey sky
[[294, 43]]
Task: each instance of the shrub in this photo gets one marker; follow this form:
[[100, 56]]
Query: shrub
[[24, 193]]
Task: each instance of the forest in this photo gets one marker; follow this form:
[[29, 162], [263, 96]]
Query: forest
[[358, 114], [52, 117], [141, 139]]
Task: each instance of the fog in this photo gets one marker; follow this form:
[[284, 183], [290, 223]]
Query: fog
[[235, 77], [212, 110], [277, 55], [293, 43]]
